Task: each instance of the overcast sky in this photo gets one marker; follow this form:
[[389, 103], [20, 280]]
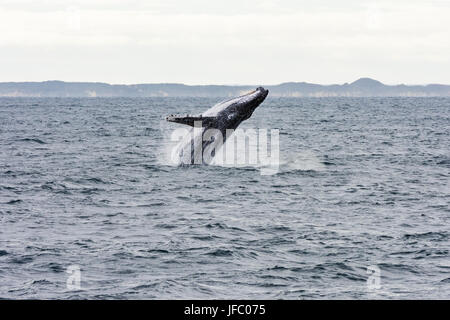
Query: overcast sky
[[225, 42]]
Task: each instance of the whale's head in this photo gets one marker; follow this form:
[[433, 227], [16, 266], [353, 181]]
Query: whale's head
[[253, 100], [236, 110]]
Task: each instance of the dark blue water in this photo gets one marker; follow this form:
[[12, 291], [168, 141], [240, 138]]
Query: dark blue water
[[363, 182]]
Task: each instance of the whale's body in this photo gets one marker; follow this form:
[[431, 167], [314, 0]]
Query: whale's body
[[209, 129]]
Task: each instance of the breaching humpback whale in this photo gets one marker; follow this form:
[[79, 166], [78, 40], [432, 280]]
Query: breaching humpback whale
[[209, 129]]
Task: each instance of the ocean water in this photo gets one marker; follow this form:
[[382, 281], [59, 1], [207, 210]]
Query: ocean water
[[363, 183]]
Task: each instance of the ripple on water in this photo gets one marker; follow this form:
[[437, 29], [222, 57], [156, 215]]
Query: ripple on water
[[361, 182]]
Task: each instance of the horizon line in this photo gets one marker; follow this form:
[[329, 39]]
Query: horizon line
[[224, 85]]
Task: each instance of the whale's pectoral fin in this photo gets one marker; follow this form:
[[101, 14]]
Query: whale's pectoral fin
[[193, 121]]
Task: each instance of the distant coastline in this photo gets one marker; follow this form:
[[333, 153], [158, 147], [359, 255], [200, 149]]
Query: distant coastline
[[363, 87]]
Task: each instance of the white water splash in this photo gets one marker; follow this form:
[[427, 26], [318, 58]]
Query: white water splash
[[304, 160]]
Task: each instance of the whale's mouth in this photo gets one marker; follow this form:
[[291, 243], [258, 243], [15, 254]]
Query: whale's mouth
[[256, 98], [264, 92], [261, 95]]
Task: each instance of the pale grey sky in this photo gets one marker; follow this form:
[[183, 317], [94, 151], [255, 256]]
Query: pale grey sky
[[225, 42]]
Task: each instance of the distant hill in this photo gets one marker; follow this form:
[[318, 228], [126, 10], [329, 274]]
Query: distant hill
[[364, 87]]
